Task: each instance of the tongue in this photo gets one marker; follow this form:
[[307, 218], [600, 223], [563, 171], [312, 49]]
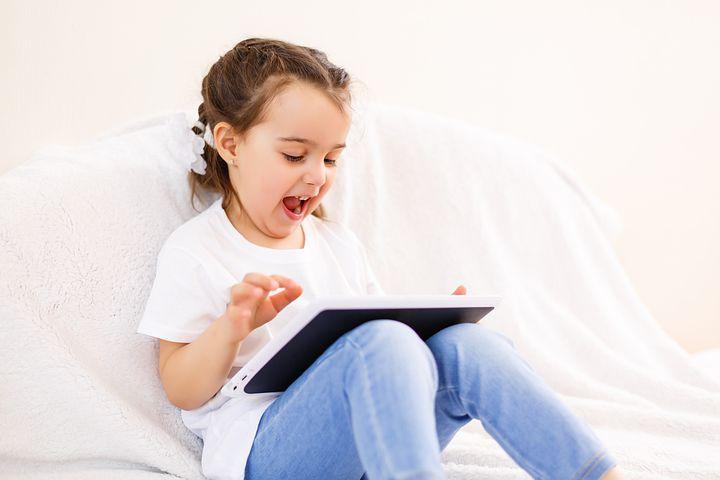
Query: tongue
[[291, 203]]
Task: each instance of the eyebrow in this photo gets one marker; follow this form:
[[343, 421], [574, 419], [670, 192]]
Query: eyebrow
[[305, 140]]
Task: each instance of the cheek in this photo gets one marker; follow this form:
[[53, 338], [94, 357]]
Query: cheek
[[261, 191], [266, 181]]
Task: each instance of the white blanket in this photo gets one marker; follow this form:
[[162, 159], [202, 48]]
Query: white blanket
[[437, 202], [440, 203]]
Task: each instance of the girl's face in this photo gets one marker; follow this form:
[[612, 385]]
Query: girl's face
[[263, 174]]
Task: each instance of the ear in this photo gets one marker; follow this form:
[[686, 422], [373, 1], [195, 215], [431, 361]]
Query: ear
[[226, 141]]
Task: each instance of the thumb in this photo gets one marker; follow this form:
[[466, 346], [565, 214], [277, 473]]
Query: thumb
[[461, 290], [258, 299]]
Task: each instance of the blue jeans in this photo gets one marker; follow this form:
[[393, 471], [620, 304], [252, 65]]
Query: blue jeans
[[380, 403]]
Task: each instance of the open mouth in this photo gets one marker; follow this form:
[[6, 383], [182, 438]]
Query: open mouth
[[295, 207]]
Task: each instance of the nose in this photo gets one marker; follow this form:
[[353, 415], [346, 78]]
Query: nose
[[315, 173]]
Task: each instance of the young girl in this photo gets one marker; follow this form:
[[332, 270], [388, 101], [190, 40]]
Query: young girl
[[379, 403]]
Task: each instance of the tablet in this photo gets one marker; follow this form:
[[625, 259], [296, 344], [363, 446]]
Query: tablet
[[323, 320]]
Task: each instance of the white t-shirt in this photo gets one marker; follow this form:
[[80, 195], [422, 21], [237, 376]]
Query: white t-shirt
[[204, 257]]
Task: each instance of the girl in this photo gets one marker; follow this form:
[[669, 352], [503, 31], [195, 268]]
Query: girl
[[275, 117]]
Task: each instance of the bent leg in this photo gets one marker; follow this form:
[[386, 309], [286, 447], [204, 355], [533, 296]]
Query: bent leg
[[365, 405], [482, 376]]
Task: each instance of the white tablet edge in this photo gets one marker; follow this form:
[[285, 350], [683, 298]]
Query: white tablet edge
[[235, 386]]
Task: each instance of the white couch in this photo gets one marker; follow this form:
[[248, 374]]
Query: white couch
[[437, 202]]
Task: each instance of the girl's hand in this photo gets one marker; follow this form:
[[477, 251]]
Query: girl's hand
[[250, 306], [461, 290]]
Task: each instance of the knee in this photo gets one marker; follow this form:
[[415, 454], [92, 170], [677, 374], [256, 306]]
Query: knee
[[393, 344], [387, 335], [486, 347]]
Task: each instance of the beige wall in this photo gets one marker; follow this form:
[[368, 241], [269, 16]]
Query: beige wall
[[624, 92]]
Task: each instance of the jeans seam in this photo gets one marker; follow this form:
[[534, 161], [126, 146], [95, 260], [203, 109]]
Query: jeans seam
[[587, 468], [373, 417], [456, 396]]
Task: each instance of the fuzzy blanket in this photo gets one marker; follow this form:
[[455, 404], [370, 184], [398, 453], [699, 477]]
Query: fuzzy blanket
[[437, 202]]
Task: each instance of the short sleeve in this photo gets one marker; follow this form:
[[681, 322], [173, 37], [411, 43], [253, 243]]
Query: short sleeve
[[183, 302]]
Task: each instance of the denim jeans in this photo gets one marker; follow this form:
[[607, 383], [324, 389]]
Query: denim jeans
[[380, 403]]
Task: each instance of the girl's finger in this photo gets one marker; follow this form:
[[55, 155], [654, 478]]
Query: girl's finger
[[461, 290], [247, 289], [261, 280], [282, 299], [282, 281], [242, 292]]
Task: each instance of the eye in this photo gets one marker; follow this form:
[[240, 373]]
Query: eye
[[291, 158], [297, 159]]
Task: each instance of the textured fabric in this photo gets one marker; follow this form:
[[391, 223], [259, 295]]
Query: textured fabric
[[81, 229]]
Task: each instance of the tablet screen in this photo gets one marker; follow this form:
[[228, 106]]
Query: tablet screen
[[326, 327]]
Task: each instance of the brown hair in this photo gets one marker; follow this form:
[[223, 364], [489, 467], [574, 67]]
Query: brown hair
[[239, 88]]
